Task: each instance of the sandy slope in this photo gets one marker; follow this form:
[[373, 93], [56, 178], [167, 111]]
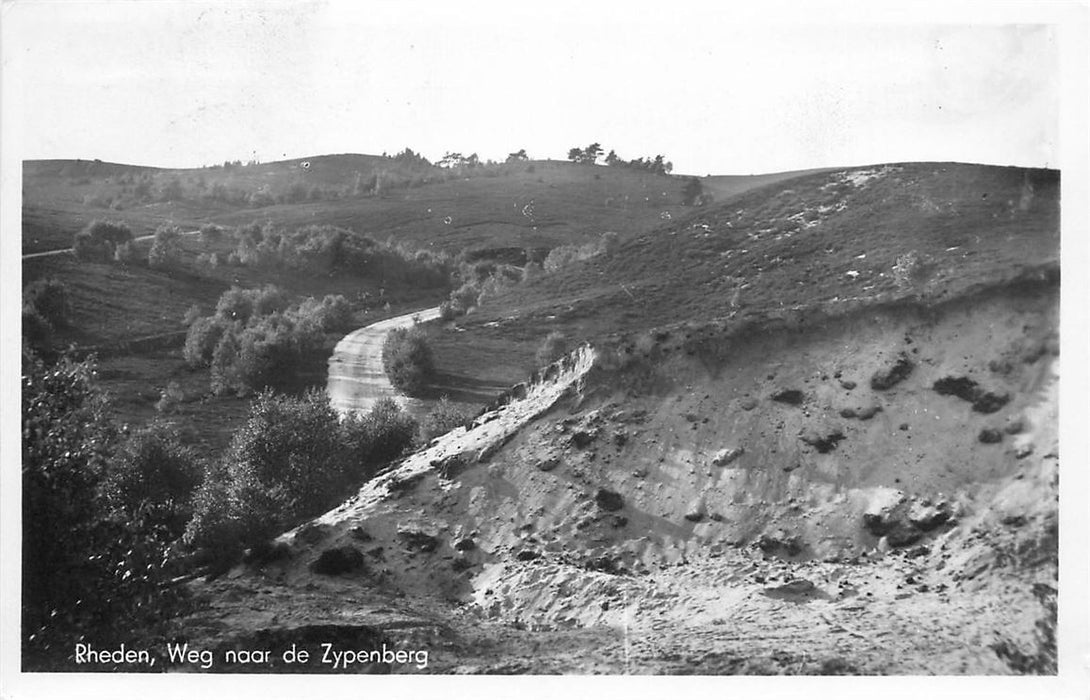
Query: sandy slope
[[596, 526]]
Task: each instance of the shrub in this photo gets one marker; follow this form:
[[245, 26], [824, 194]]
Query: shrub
[[166, 248], [465, 297], [170, 397], [443, 418], [49, 298], [37, 332], [446, 311], [98, 240], [407, 359], [224, 357], [286, 464], [552, 349], [202, 340], [153, 470], [125, 253], [374, 439]]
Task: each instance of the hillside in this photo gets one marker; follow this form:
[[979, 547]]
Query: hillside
[[809, 428], [535, 204], [830, 240]]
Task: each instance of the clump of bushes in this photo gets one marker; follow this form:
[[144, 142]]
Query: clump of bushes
[[291, 461], [407, 359], [440, 420], [329, 249], [257, 339], [97, 241]]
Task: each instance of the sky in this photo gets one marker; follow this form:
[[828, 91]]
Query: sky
[[714, 90]]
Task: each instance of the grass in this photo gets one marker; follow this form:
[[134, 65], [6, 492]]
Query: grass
[[768, 243], [539, 204], [751, 255]]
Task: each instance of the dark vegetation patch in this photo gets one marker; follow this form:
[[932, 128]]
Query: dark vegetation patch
[[968, 390], [824, 441], [609, 500], [889, 377], [338, 560], [791, 397]]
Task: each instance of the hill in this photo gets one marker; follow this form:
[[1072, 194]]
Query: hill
[[534, 204], [821, 241]]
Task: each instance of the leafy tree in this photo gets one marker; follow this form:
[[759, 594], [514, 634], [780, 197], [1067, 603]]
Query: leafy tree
[[154, 471], [49, 298], [166, 248], [407, 359], [377, 437], [592, 152], [575, 155], [287, 463], [517, 157], [611, 158], [98, 240], [93, 566]]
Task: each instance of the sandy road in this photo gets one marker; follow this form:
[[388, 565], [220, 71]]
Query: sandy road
[[68, 251], [356, 377]]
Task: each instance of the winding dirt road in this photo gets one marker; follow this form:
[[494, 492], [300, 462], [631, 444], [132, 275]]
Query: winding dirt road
[[356, 377]]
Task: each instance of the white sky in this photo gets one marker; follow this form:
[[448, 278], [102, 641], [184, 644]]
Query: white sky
[[187, 84]]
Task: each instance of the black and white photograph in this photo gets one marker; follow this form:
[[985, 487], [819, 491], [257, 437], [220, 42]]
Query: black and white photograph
[[544, 341]]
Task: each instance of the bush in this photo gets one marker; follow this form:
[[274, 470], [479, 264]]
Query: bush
[[407, 359], [37, 332], [441, 420], [166, 248], [465, 297], [98, 240], [224, 357], [125, 253], [286, 464], [49, 298], [332, 313], [153, 470], [552, 349], [202, 339], [376, 438], [170, 397]]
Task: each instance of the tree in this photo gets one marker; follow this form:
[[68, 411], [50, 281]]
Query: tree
[[166, 248], [518, 156], [93, 565], [591, 153], [286, 464], [612, 158], [49, 298], [98, 240], [407, 359], [575, 155]]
